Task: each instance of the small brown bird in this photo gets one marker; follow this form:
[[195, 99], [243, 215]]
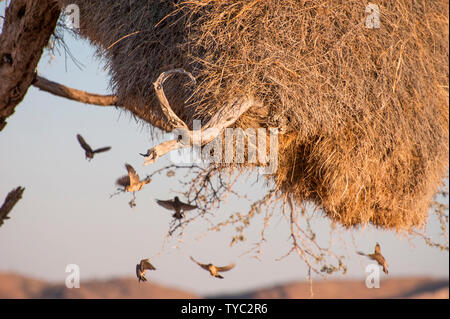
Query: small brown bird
[[378, 257], [176, 205], [131, 182], [88, 150], [142, 267], [214, 270]]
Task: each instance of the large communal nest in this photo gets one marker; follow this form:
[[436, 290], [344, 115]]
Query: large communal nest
[[364, 112]]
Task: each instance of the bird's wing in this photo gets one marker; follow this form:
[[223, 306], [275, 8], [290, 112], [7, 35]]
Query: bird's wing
[[138, 271], [83, 143], [379, 258], [385, 268], [134, 177], [361, 253], [187, 207], [145, 264], [123, 181], [204, 266], [225, 268], [103, 149], [377, 249], [168, 204]]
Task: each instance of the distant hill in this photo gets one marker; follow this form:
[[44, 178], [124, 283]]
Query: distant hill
[[344, 289], [17, 286]]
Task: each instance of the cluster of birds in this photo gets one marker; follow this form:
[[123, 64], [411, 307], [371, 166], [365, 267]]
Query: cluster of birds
[[214, 271], [133, 183]]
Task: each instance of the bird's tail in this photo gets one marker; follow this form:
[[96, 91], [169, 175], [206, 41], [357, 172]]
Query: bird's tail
[[218, 276]]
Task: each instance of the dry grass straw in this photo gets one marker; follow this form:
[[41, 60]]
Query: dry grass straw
[[366, 110]]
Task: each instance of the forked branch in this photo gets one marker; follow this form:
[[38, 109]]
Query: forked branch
[[227, 116], [172, 118]]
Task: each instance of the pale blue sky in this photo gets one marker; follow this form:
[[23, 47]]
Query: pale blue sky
[[67, 217]]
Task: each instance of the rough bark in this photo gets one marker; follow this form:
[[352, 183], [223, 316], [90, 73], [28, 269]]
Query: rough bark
[[27, 28]]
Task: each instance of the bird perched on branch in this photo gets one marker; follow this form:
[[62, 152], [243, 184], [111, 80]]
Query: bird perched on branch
[[88, 150], [378, 257], [131, 182], [142, 267], [214, 270], [176, 205]]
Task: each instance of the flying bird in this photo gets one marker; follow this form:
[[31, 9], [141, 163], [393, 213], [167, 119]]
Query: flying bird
[[378, 257], [88, 150], [142, 267], [176, 205], [131, 182], [214, 270]]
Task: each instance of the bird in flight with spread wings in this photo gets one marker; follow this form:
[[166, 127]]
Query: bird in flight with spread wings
[[131, 182], [88, 151], [378, 257], [214, 270], [142, 267], [177, 206]]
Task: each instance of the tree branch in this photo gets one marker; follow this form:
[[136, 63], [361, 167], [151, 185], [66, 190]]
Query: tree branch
[[172, 118], [100, 100], [27, 28], [11, 199], [226, 116], [162, 149], [74, 94]]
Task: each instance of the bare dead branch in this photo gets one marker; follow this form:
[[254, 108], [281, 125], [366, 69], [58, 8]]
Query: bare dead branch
[[162, 149], [172, 118], [230, 113], [74, 94], [227, 116], [10, 201]]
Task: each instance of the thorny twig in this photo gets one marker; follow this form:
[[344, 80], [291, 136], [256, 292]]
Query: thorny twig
[[441, 211]]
